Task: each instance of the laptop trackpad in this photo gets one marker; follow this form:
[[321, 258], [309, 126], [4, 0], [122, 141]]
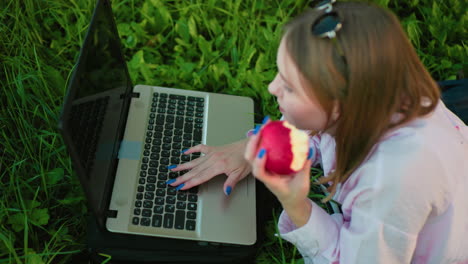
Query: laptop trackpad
[[228, 218]]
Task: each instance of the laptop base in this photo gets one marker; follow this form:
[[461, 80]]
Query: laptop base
[[134, 249]]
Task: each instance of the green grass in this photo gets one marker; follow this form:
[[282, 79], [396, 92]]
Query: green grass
[[217, 46]]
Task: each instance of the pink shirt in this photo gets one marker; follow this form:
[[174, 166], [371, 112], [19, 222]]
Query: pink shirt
[[408, 203]]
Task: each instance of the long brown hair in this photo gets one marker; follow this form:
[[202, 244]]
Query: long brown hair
[[382, 75]]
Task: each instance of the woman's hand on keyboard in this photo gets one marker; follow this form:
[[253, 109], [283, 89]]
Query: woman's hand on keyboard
[[227, 159]]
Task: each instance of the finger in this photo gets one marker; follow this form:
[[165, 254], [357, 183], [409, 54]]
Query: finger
[[258, 166], [186, 166], [200, 170], [266, 119], [185, 177], [198, 148], [200, 177], [232, 180], [251, 148]]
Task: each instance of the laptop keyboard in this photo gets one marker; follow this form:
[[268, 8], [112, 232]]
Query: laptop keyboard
[[175, 123], [86, 124]]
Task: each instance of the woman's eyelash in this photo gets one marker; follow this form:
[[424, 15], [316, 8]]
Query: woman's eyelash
[[287, 88]]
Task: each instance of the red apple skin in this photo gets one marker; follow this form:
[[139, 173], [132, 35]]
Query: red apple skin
[[275, 139]]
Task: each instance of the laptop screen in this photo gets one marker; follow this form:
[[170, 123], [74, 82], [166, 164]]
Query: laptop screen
[[95, 108]]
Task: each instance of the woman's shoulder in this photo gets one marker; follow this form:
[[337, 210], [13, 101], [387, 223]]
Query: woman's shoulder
[[430, 148]]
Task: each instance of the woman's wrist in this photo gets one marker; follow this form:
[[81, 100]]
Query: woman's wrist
[[299, 212]]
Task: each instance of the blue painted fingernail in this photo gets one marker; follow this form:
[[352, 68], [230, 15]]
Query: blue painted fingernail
[[257, 128], [170, 181], [265, 119], [172, 167], [228, 190], [311, 153], [180, 186], [261, 153], [183, 151]]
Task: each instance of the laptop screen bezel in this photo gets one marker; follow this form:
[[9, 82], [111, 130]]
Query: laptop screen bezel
[[98, 208]]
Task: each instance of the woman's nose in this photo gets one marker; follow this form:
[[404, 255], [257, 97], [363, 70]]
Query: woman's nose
[[273, 87]]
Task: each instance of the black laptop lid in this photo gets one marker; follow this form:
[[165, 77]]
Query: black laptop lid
[[95, 109]]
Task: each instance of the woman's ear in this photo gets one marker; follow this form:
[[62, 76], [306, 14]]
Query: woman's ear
[[336, 111]]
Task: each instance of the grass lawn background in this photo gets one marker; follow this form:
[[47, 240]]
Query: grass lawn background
[[216, 46]]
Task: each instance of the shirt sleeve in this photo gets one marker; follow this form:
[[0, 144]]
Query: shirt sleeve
[[381, 216]]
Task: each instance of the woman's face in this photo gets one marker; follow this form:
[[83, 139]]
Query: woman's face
[[298, 108]]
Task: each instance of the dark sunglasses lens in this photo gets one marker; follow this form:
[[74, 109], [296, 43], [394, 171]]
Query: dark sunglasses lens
[[319, 3], [326, 23]]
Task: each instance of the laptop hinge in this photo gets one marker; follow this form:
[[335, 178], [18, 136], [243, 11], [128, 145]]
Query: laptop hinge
[[130, 95], [111, 213]]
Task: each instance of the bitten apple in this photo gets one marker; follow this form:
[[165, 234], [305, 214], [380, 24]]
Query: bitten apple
[[286, 146]]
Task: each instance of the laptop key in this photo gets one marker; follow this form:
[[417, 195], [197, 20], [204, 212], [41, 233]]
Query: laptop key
[[179, 219], [158, 209], [160, 192], [151, 179], [197, 134], [179, 122], [181, 196], [178, 132], [181, 205], [163, 168], [152, 171], [193, 190], [168, 220], [191, 215], [171, 191], [162, 184], [173, 175], [192, 206], [175, 160], [149, 196], [137, 211], [157, 221], [169, 208], [162, 176], [150, 187], [146, 213], [147, 204], [135, 220], [190, 225], [170, 199], [159, 200], [145, 221], [192, 198]]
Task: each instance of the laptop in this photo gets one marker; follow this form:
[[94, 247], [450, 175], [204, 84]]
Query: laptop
[[121, 139]]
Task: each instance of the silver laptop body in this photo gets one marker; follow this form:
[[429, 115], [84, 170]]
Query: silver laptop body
[[221, 218], [105, 122]]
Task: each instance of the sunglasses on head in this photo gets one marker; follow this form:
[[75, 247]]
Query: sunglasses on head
[[327, 24], [322, 5]]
